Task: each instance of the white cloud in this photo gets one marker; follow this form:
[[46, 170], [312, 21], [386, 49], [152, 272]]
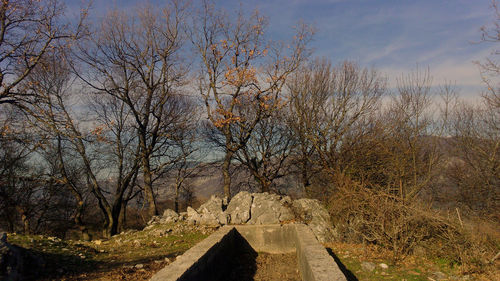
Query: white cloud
[[388, 50]]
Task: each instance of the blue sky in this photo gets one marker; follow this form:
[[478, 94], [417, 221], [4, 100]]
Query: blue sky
[[392, 35]]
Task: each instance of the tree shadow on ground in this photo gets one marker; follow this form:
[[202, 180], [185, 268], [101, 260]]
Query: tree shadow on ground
[[57, 266], [348, 274]]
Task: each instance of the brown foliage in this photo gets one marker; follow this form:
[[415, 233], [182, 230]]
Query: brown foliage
[[375, 217], [241, 71]]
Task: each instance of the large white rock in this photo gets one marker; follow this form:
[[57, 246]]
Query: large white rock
[[238, 210], [268, 209], [311, 212], [212, 213], [169, 216], [264, 208], [192, 216]]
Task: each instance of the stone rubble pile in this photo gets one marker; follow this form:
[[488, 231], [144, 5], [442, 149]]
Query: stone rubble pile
[[256, 208]]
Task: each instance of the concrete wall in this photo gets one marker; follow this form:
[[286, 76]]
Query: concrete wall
[[208, 259], [314, 261], [273, 239]]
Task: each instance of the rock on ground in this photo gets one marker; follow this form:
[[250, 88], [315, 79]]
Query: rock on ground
[[238, 210], [257, 208], [368, 266], [212, 212], [154, 220], [268, 209], [170, 216], [192, 216], [312, 213]]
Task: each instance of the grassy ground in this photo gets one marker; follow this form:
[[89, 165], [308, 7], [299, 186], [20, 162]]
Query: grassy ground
[[350, 257], [134, 255], [137, 255]]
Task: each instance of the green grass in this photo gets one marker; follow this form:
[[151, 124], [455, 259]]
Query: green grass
[[70, 257], [391, 273], [351, 257], [106, 259]]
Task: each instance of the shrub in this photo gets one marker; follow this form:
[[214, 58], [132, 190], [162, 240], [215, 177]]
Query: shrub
[[372, 216]]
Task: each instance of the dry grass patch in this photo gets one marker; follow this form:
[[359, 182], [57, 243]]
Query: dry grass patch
[[133, 255]]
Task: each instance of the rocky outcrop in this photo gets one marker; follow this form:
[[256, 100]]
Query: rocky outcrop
[[170, 216], [192, 216], [17, 263], [257, 208], [212, 212], [312, 213], [238, 210], [269, 209]]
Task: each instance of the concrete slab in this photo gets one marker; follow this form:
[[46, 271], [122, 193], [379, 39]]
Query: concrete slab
[[208, 259], [271, 238]]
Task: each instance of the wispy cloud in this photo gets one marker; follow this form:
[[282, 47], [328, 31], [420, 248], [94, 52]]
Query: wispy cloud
[[463, 73], [388, 51], [392, 35]]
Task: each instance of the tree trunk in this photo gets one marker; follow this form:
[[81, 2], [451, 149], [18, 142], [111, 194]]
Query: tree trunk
[[10, 225], [147, 177], [122, 220], [176, 199], [148, 189], [226, 175], [305, 177], [266, 185], [108, 217], [24, 219], [26, 223], [112, 228], [78, 220], [94, 186]]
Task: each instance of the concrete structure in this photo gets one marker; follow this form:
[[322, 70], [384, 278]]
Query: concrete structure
[[208, 259]]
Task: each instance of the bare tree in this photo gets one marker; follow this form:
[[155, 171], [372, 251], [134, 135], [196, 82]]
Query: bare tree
[[17, 185], [28, 30], [27, 189], [187, 167], [412, 136], [66, 172], [267, 151], [490, 67], [307, 89], [476, 169], [119, 150], [240, 68], [331, 107], [52, 109], [135, 59], [472, 168]]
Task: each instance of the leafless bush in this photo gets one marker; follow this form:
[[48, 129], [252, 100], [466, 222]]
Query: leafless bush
[[371, 216]]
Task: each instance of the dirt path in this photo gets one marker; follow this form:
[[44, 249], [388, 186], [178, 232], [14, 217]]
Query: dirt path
[[265, 267], [277, 267]]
